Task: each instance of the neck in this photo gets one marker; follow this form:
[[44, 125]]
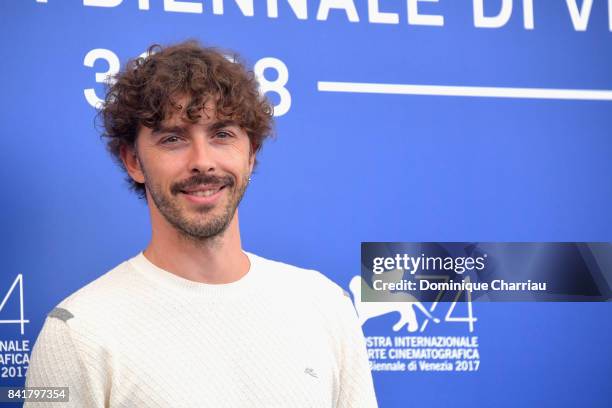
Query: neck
[[216, 260]]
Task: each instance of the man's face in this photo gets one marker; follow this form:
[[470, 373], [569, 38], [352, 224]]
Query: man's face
[[195, 174]]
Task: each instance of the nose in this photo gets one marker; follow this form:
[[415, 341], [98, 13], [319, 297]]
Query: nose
[[201, 156]]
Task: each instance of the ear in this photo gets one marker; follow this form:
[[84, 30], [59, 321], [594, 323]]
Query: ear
[[132, 163], [252, 157], [251, 162]]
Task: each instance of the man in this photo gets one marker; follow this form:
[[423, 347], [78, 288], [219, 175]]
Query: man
[[193, 320]]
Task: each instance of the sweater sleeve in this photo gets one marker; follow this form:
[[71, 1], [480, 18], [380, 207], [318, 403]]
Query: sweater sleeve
[[356, 384], [59, 360]]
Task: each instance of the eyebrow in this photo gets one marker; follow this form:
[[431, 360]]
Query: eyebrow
[[222, 124], [181, 129], [168, 129]]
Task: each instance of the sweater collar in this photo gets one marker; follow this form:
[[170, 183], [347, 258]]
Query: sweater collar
[[169, 280]]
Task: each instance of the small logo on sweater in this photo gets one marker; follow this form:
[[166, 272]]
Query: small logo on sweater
[[311, 372]]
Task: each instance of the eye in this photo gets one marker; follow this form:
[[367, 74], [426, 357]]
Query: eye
[[170, 139], [223, 134]]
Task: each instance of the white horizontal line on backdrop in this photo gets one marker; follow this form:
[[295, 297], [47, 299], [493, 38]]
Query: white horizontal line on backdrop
[[475, 91]]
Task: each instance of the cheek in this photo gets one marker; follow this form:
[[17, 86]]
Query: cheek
[[236, 159], [162, 171]]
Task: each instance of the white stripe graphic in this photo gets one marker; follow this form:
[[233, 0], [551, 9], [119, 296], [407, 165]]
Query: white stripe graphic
[[474, 91]]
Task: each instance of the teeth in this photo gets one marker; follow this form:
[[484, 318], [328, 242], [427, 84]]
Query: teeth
[[205, 193]]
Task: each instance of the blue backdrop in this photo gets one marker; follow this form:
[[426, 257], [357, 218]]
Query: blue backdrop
[[513, 163]]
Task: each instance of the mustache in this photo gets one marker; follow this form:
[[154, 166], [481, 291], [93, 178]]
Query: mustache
[[201, 179]]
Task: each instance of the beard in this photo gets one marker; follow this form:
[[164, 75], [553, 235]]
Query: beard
[[208, 221]]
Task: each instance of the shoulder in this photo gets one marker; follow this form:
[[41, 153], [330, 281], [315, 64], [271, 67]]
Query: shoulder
[[321, 300], [299, 281], [89, 316], [101, 297]]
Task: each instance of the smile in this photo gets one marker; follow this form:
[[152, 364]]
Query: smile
[[203, 194]]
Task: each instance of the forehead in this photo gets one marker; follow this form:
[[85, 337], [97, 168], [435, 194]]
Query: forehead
[[206, 117], [178, 111]]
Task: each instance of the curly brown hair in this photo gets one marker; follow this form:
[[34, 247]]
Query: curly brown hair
[[144, 93]]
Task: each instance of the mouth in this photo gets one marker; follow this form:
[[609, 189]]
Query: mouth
[[203, 194]]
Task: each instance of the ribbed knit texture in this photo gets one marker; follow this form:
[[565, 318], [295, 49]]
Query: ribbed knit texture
[[280, 336]]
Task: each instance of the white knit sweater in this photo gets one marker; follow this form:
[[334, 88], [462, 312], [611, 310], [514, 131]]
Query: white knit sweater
[[140, 336]]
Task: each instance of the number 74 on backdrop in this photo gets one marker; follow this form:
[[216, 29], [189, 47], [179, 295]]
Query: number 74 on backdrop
[[21, 321]]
